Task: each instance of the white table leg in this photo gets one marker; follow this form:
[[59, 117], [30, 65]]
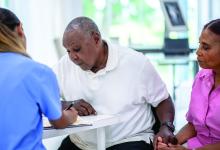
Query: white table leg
[[101, 138]]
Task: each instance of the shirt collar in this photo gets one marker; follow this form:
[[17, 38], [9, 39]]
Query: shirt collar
[[112, 57], [207, 75], [112, 60]]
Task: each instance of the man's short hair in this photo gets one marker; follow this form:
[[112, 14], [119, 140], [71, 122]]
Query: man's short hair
[[86, 24]]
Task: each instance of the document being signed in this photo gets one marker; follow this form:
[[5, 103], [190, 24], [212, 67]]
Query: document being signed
[[81, 121]]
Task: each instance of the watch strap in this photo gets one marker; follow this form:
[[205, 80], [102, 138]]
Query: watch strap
[[169, 125]]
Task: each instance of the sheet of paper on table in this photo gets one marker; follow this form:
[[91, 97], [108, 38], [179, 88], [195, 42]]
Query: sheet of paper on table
[[81, 121]]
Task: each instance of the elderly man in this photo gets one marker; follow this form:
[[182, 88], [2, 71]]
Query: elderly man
[[110, 79]]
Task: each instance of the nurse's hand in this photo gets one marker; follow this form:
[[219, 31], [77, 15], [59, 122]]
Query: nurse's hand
[[84, 108]]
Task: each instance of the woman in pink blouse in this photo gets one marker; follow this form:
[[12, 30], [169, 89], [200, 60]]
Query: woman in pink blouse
[[202, 132]]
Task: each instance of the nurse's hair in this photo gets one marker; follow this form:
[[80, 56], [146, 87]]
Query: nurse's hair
[[10, 41], [8, 18], [213, 26]]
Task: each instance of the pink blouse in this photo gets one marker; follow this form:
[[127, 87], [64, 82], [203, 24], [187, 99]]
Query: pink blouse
[[204, 110]]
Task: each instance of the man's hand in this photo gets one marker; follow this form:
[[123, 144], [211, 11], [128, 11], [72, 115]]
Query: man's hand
[[166, 136], [83, 108]]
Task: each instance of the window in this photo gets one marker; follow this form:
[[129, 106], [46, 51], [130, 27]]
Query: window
[[173, 15], [3, 3], [138, 23]]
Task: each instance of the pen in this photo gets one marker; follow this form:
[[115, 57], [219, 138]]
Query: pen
[[71, 105]]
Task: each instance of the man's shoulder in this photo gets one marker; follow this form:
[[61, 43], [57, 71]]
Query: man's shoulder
[[131, 59], [133, 56], [123, 50], [128, 52]]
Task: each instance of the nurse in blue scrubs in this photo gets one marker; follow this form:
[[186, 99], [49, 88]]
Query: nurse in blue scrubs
[[28, 90]]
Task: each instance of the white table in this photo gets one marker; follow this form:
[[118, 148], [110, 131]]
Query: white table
[[99, 123]]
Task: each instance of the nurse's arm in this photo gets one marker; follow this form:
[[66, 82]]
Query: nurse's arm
[[68, 117]]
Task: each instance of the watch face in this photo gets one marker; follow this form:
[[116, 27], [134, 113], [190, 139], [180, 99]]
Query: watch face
[[169, 125]]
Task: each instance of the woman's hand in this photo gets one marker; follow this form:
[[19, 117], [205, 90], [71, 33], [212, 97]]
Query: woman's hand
[[160, 144], [163, 146]]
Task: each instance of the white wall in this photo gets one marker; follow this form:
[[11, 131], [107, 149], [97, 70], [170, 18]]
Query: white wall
[[207, 10], [215, 9], [43, 21]]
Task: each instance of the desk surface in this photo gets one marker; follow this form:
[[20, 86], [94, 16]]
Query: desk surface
[[97, 122]]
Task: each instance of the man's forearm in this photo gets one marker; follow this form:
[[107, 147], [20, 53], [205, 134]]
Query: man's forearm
[[165, 111]]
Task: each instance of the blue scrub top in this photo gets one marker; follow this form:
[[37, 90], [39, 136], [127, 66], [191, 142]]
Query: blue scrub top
[[27, 90]]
